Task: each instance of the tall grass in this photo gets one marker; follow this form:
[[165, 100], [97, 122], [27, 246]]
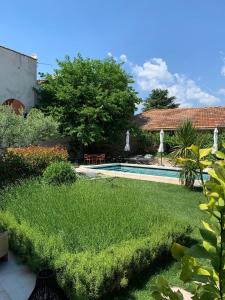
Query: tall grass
[[92, 215]]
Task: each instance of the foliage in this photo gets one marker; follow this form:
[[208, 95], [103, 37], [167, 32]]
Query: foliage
[[185, 135], [159, 99], [189, 173], [92, 99], [209, 279], [19, 163], [15, 130], [129, 227], [143, 141], [59, 173], [198, 160], [13, 168]]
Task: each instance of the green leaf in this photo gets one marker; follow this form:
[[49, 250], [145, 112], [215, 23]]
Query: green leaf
[[178, 251], [206, 225], [220, 172], [203, 206], [208, 247], [220, 155], [205, 163], [198, 251], [194, 149], [204, 152]]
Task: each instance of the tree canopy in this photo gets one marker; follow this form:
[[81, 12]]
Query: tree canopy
[[92, 99], [15, 130], [159, 98]]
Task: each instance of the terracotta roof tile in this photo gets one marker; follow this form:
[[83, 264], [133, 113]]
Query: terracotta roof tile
[[170, 119]]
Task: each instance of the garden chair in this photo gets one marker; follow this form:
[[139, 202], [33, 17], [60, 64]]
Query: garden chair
[[87, 158]]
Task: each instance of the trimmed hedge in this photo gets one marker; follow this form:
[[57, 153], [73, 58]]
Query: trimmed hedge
[[88, 274]]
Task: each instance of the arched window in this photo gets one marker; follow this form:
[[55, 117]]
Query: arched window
[[16, 105]]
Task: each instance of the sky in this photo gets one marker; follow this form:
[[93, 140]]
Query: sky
[[177, 45]]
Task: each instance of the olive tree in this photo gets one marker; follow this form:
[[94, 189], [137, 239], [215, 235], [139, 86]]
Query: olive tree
[[16, 130]]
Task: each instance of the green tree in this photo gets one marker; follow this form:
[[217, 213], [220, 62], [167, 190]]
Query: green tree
[[159, 99], [15, 130], [92, 99]]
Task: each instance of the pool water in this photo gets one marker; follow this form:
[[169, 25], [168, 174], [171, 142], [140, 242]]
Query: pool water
[[145, 171]]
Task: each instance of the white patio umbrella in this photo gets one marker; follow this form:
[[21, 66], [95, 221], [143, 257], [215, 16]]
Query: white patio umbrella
[[215, 141], [161, 146], [127, 146]]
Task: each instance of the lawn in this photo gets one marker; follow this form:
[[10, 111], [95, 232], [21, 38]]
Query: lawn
[[107, 228]]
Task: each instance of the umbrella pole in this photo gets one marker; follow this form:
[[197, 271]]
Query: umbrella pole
[[161, 158]]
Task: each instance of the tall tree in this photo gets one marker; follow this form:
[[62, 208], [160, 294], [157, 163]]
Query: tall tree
[[159, 99], [92, 99]]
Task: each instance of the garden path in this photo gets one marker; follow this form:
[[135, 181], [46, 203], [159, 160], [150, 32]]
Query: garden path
[[16, 280]]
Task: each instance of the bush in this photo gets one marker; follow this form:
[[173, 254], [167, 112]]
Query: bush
[[38, 158], [88, 275], [59, 173], [16, 131], [19, 163], [12, 168]]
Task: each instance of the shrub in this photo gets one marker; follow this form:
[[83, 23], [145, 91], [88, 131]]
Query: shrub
[[59, 173], [38, 158], [12, 168], [19, 163], [88, 275], [189, 173], [186, 135], [15, 130]]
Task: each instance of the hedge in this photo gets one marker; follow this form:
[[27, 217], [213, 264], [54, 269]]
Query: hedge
[[88, 274], [19, 163]]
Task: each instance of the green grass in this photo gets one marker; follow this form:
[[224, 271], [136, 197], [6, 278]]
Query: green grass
[[95, 215], [99, 233]]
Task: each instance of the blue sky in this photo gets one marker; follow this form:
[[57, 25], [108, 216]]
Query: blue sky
[[176, 44]]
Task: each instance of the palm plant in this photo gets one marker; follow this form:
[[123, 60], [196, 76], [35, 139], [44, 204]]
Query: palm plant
[[186, 135], [189, 173]]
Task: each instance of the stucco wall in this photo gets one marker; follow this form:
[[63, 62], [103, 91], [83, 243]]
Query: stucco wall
[[18, 75]]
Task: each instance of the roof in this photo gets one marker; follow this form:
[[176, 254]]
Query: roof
[[170, 119], [30, 56]]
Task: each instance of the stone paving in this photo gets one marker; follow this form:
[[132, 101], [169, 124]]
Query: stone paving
[[16, 280]]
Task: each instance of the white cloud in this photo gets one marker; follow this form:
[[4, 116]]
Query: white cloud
[[221, 91], [109, 54], [223, 70], [123, 58], [155, 74]]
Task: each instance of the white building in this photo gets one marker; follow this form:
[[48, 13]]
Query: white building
[[18, 77]]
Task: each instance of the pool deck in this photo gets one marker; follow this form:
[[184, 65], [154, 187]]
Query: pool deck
[[89, 170]]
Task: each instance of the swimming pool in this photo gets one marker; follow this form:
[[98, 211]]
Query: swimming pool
[[147, 170]]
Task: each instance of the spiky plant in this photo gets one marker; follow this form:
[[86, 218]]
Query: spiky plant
[[186, 135]]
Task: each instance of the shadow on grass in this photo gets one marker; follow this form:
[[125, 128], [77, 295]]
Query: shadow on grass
[[139, 281]]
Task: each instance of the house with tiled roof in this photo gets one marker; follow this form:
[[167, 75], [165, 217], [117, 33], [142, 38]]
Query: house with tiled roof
[[204, 118]]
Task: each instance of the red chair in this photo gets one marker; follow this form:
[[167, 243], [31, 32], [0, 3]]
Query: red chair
[[101, 158], [87, 158]]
